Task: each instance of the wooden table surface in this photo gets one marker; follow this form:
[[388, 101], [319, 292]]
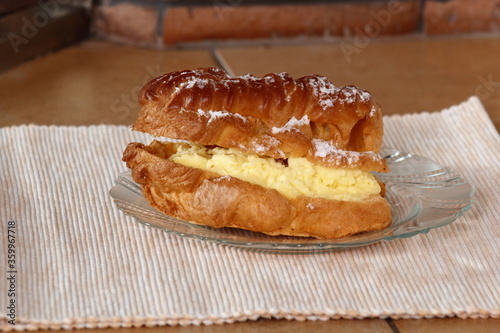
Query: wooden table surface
[[97, 83]]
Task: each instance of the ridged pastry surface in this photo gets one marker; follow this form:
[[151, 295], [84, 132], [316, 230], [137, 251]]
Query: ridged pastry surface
[[306, 124], [275, 116]]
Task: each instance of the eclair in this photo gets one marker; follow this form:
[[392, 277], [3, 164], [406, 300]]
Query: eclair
[[272, 154]]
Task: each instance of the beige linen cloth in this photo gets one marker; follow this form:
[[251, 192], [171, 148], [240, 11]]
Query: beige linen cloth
[[81, 263]]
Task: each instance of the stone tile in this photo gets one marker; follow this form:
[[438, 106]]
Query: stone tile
[[404, 76], [449, 325], [265, 325], [93, 83]]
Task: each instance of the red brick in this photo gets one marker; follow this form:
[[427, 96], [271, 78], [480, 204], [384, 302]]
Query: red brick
[[462, 16], [381, 17], [127, 23], [222, 21]]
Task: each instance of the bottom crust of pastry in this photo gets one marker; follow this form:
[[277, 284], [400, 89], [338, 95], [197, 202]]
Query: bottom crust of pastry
[[206, 198]]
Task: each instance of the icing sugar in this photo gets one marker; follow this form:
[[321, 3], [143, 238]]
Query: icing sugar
[[310, 206], [292, 124], [364, 95], [324, 90], [264, 145], [191, 82], [213, 115], [254, 146], [166, 139], [258, 148], [350, 95], [248, 77], [322, 148], [352, 92], [327, 93], [284, 76], [219, 179], [329, 152], [269, 141]]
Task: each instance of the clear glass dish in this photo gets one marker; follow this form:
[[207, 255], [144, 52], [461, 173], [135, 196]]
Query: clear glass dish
[[423, 195]]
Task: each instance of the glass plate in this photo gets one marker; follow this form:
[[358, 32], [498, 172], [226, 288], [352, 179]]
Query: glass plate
[[423, 195]]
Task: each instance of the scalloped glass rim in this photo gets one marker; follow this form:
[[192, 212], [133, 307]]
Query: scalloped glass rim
[[422, 193]]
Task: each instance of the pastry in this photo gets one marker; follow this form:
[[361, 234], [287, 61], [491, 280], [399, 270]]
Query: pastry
[[271, 154]]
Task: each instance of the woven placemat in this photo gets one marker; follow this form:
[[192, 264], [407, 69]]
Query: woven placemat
[[81, 263]]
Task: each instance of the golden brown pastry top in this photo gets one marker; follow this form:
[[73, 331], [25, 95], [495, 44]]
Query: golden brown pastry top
[[272, 116]]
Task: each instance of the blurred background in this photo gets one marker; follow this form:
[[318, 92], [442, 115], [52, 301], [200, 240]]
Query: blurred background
[[84, 61], [31, 27]]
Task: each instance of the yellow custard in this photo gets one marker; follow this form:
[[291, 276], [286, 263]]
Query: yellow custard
[[298, 177]]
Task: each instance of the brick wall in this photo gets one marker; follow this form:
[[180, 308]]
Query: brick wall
[[162, 23]]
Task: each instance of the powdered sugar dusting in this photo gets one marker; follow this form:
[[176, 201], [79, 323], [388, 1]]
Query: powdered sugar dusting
[[263, 145], [324, 90], [269, 141], [284, 76], [223, 178], [258, 148], [190, 83], [364, 95], [322, 148], [247, 77], [292, 125], [310, 206], [350, 95], [166, 139], [213, 115], [328, 94], [330, 153]]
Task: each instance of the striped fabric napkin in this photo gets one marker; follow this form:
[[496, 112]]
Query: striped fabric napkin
[[78, 262]]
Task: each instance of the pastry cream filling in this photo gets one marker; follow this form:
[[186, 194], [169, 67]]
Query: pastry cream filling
[[299, 177]]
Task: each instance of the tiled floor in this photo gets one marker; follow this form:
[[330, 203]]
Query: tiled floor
[[448, 325], [404, 76], [274, 326], [97, 82], [88, 84]]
